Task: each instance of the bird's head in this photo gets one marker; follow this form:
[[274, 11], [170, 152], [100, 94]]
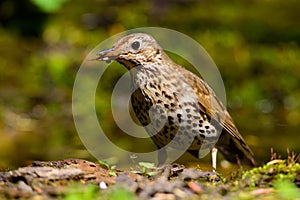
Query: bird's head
[[135, 48]]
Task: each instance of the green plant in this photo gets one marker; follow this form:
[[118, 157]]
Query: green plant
[[111, 168], [146, 169]]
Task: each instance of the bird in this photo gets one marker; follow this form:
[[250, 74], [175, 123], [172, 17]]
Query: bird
[[174, 104]]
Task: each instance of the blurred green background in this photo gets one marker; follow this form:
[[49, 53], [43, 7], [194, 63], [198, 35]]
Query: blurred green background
[[255, 44]]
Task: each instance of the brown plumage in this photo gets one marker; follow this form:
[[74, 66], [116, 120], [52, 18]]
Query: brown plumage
[[170, 100]]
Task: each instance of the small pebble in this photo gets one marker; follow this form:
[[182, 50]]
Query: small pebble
[[262, 191], [102, 185], [195, 187], [23, 186]]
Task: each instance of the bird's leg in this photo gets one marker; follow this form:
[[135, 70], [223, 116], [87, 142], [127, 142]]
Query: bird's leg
[[162, 156], [214, 152]]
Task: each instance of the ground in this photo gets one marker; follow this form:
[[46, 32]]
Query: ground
[[74, 179]]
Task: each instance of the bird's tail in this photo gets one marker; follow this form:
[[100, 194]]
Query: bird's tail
[[235, 151]]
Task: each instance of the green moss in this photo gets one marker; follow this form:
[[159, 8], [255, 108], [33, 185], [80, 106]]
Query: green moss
[[273, 172]]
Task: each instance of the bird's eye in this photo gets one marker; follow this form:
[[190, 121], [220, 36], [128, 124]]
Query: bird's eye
[[135, 45]]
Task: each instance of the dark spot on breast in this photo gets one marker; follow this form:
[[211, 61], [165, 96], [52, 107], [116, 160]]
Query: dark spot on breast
[[171, 136], [152, 85], [201, 136], [202, 131], [172, 128], [165, 131], [207, 127], [168, 96], [170, 120]]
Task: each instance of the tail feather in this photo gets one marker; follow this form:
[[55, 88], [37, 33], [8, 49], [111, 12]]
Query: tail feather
[[235, 151]]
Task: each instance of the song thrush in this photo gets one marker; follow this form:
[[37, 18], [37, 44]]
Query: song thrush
[[168, 100]]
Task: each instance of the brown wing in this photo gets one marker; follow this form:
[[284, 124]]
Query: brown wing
[[213, 107]]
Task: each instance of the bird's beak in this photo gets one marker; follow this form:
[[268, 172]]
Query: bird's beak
[[107, 55]]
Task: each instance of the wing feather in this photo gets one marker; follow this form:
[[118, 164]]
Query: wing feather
[[210, 104]]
